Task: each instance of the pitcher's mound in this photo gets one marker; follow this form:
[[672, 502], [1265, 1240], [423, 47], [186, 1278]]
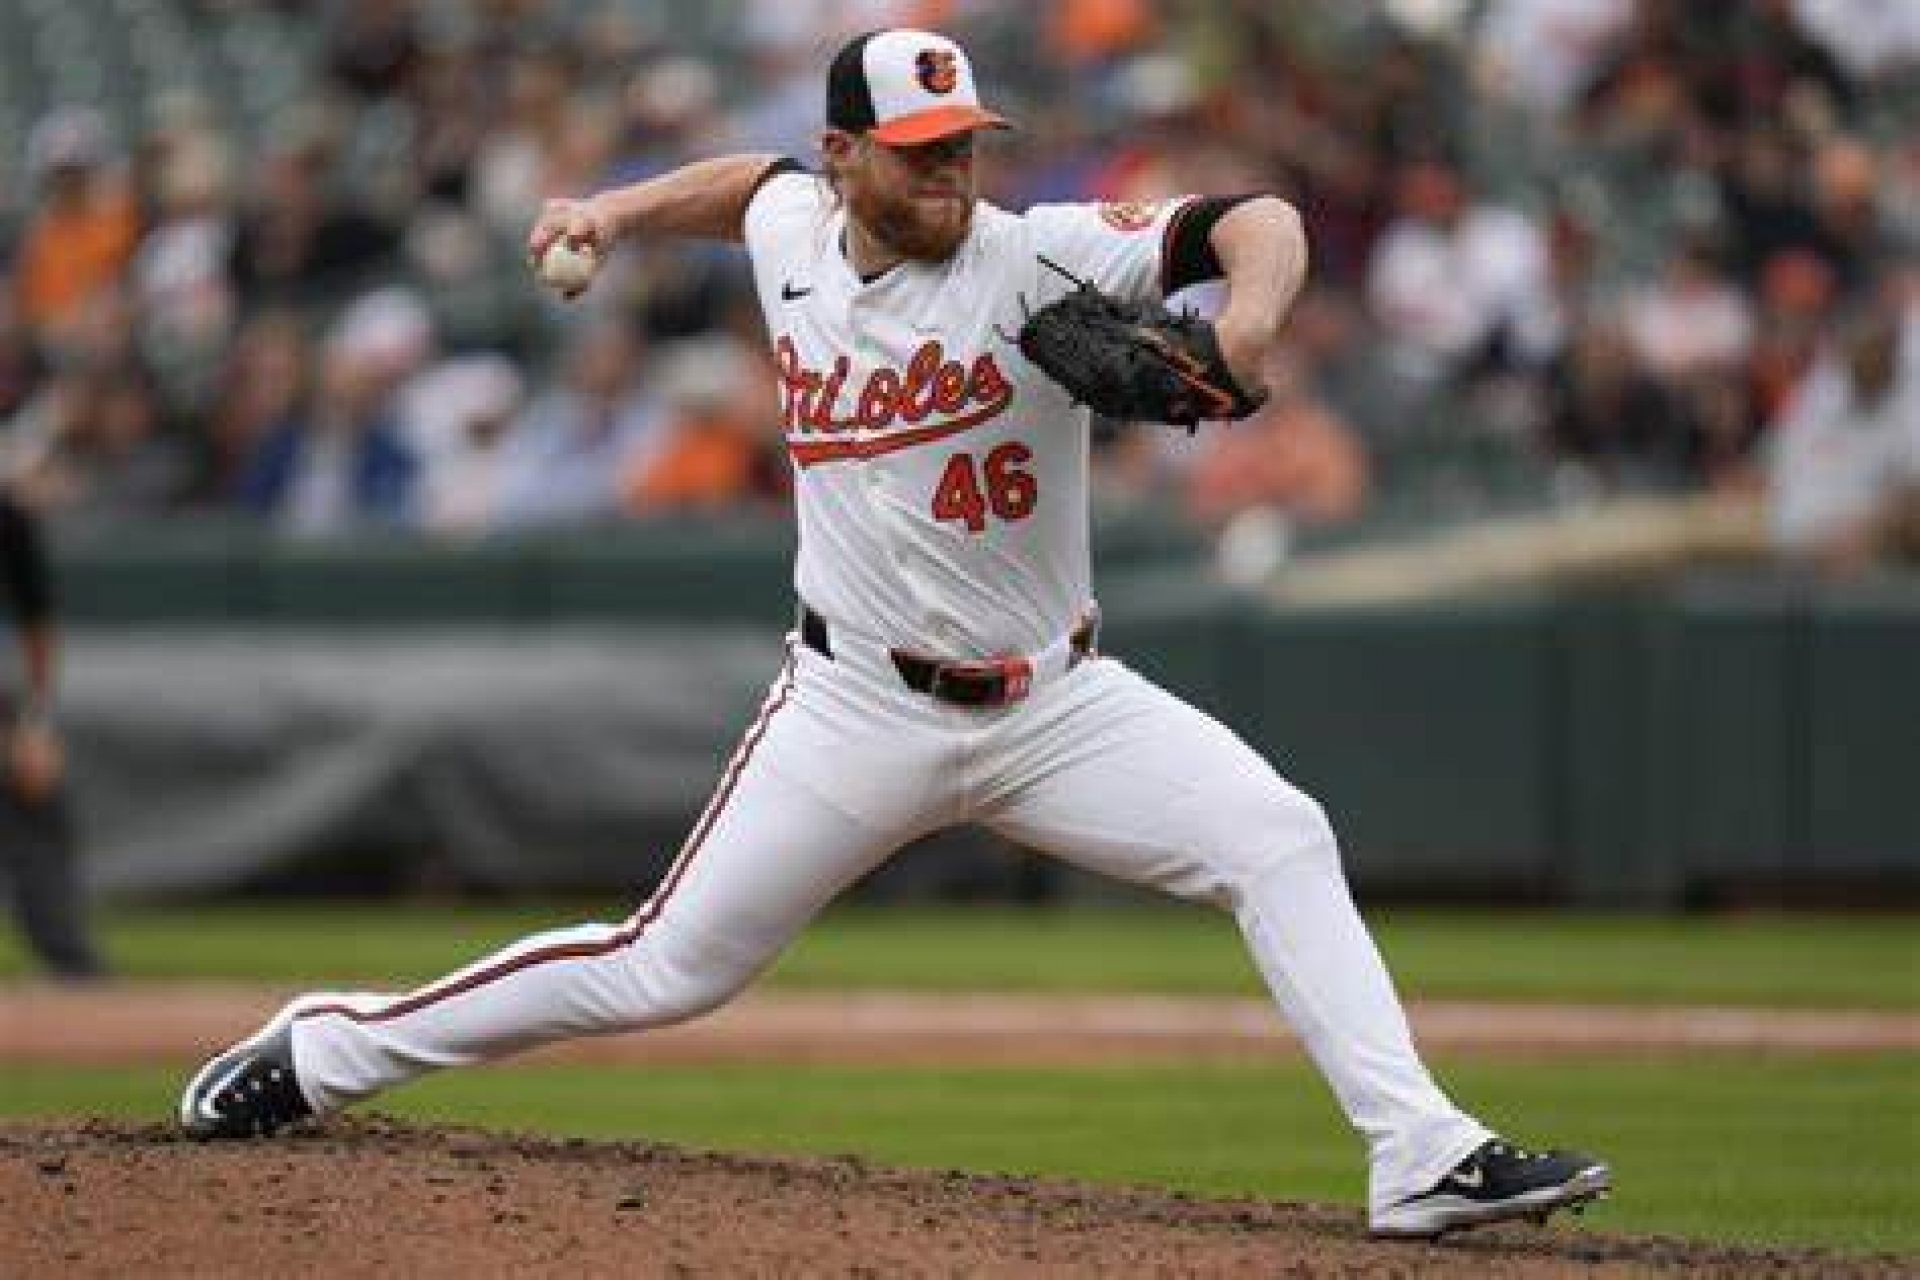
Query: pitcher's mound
[[377, 1197]]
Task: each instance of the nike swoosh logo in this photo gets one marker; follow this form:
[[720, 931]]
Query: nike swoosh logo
[[790, 294], [1473, 1178]]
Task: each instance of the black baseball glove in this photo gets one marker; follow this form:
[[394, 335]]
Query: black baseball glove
[[1133, 361]]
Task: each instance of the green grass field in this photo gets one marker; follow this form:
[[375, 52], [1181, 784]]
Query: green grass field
[[1739, 1148], [1792, 1151], [1851, 961]]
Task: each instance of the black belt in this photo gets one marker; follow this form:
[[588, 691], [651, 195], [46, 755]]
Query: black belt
[[989, 682]]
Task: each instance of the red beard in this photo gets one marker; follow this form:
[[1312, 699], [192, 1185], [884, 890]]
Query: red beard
[[925, 233]]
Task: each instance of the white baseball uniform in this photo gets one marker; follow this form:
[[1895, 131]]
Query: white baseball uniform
[[941, 482]]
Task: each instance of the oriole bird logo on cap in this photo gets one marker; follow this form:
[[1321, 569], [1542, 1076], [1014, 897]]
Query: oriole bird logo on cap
[[937, 71]]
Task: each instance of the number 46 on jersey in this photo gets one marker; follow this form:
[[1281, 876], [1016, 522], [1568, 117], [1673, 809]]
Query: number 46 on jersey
[[971, 489]]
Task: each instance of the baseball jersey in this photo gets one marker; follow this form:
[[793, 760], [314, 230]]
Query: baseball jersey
[[940, 478]]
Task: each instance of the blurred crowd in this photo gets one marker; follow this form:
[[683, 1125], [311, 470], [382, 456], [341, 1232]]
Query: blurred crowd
[[1562, 247]]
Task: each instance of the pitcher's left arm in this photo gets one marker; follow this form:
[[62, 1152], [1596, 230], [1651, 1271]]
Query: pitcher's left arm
[[1260, 246]]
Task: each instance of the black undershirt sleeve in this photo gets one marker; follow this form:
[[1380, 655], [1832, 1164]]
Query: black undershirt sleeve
[[1186, 253], [785, 164], [23, 566]]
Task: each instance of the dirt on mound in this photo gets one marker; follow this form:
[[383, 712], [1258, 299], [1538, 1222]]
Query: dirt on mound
[[371, 1196]]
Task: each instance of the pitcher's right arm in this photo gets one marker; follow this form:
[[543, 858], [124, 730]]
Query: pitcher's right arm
[[705, 200]]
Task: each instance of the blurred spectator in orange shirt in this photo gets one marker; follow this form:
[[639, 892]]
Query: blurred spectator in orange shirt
[[85, 229], [1295, 455], [1083, 32], [717, 452]]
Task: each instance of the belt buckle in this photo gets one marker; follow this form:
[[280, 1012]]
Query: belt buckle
[[1019, 677], [1015, 676]]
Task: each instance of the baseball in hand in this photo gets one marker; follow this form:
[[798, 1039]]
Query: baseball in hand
[[566, 269]]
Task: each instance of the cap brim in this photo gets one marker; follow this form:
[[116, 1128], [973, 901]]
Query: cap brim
[[935, 123]]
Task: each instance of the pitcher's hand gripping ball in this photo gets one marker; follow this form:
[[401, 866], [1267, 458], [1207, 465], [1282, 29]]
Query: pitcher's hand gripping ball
[[1134, 361], [567, 270]]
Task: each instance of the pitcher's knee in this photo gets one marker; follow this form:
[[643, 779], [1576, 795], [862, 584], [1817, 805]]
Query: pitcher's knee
[[1290, 828], [690, 994], [675, 976], [1312, 831]]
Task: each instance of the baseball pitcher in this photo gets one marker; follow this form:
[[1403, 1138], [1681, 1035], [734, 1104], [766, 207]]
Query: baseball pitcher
[[935, 357]]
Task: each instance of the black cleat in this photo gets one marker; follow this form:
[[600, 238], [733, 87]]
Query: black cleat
[[1499, 1182], [247, 1092]]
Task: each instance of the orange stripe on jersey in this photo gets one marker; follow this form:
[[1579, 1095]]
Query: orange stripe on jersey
[[809, 452], [467, 980]]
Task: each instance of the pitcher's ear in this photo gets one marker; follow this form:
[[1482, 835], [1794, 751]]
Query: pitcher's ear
[[837, 145]]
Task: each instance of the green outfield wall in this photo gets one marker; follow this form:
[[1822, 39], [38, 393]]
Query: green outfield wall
[[1731, 736], [1725, 735]]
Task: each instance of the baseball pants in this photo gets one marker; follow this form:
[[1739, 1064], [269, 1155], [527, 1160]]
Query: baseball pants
[[37, 859], [842, 766]]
